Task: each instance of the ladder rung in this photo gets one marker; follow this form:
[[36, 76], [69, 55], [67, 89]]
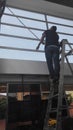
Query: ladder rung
[[53, 96], [45, 129], [51, 111], [63, 107]]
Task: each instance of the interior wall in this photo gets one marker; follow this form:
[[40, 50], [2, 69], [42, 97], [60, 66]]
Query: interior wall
[[9, 66]]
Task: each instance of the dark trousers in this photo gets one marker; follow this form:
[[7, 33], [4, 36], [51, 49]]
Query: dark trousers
[[52, 58]]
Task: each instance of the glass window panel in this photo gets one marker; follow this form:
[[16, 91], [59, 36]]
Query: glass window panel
[[38, 33], [16, 31], [67, 47], [10, 20], [7, 11], [19, 43], [62, 29], [22, 55], [16, 42], [23, 32], [28, 14], [68, 37], [60, 20], [70, 58], [34, 24]]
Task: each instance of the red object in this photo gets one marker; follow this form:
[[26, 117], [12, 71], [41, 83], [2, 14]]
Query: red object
[[71, 110], [2, 124]]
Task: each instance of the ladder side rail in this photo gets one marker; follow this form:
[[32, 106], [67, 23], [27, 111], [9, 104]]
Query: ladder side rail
[[71, 49], [69, 66], [69, 53], [69, 44], [48, 109], [67, 104], [59, 113]]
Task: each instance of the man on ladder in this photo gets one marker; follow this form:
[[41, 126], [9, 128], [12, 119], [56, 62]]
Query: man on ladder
[[52, 47], [51, 51]]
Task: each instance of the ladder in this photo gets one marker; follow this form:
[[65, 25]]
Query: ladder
[[57, 104]]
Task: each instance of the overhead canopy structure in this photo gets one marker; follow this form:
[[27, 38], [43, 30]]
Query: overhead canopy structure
[[59, 9]]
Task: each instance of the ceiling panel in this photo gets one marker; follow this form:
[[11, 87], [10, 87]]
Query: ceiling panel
[[68, 3], [42, 6]]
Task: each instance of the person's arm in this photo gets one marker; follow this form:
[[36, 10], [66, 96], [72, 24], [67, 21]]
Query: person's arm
[[41, 41]]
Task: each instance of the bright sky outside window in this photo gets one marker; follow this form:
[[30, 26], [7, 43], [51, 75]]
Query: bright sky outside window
[[23, 29]]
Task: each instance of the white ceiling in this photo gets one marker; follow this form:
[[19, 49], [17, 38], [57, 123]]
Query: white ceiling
[[42, 7]]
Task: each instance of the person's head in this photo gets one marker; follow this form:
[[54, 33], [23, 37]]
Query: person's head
[[54, 28]]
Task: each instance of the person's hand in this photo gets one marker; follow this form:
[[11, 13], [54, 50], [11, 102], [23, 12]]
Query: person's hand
[[37, 47]]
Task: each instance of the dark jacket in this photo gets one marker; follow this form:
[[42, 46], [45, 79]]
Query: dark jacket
[[51, 37]]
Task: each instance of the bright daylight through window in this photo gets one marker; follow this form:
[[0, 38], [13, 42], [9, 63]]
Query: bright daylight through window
[[21, 31]]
